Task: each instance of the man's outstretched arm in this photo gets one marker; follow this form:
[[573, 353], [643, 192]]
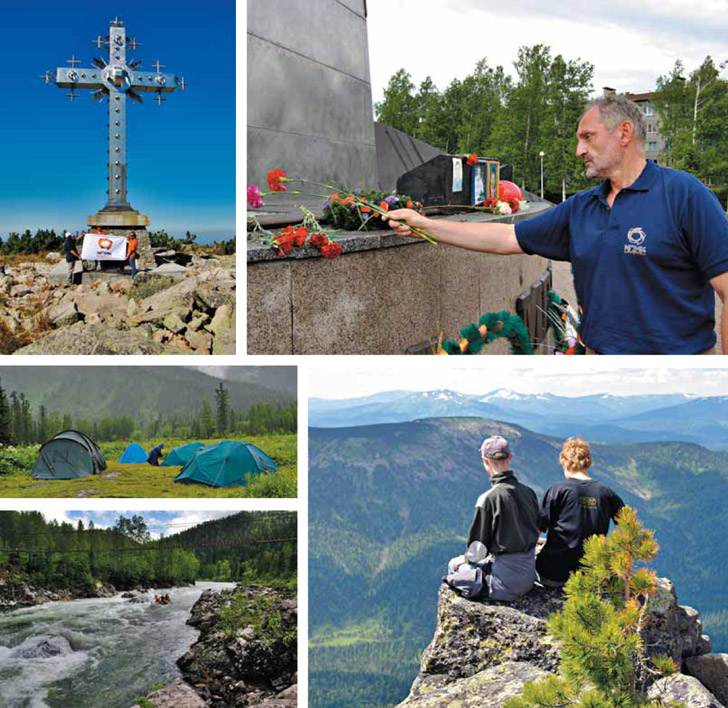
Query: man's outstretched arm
[[487, 238]]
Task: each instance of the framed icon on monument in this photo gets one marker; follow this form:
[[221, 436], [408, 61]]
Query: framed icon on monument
[[492, 170], [477, 184]]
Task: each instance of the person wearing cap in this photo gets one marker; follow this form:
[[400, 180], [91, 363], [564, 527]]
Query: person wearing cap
[[648, 246], [132, 252], [504, 531], [69, 247], [571, 512]]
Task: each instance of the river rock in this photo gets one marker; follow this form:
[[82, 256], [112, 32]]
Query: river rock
[[176, 695], [43, 647], [250, 666], [712, 671], [684, 689]]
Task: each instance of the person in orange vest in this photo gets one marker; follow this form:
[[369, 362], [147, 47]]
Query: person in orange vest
[[132, 252]]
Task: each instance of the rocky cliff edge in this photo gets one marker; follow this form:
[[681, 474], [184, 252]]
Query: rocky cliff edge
[[483, 653]]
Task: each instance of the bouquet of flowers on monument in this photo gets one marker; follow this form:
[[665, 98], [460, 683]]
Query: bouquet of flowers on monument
[[348, 210]]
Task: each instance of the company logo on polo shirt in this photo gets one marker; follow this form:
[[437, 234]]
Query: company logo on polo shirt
[[636, 238]]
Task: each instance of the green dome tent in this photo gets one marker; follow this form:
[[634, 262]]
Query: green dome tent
[[134, 454], [225, 464], [181, 455], [68, 455]]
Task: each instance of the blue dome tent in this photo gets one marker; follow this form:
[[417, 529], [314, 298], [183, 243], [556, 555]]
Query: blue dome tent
[[134, 454]]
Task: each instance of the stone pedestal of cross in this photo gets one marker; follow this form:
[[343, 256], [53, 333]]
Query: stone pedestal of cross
[[118, 80]]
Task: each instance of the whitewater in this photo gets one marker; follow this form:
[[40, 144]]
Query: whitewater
[[94, 652]]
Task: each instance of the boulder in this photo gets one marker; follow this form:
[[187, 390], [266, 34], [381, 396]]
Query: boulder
[[176, 695], [198, 321], [691, 629], [223, 328], [684, 689], [174, 323], [63, 314], [53, 256], [491, 688], [250, 666], [474, 636], [93, 339], [712, 671], [201, 342], [169, 269], [666, 629]]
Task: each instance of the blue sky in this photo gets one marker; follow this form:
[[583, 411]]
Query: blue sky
[[181, 157]]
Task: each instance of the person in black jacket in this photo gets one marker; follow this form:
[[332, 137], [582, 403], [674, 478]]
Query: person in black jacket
[[504, 531], [571, 512]]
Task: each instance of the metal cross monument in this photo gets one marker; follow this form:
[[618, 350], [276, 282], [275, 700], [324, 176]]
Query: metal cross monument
[[117, 80]]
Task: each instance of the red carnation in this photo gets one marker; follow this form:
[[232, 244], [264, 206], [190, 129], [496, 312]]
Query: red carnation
[[472, 159], [275, 177], [319, 239], [331, 250], [300, 235]]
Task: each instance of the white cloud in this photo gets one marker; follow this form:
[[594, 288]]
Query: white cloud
[[629, 44], [564, 376]]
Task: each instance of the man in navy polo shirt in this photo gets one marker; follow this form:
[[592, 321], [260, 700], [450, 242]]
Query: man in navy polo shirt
[[648, 246]]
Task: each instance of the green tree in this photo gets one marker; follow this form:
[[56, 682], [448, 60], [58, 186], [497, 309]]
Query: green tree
[[6, 422], [603, 663], [222, 405], [399, 108], [207, 419], [135, 528]]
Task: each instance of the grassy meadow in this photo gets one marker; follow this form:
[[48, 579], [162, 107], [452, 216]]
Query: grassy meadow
[[143, 480]]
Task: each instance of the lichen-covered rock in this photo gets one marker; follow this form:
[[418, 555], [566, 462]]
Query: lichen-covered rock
[[63, 314], [487, 689], [684, 689], [712, 671], [691, 629], [667, 628], [473, 636], [93, 339]]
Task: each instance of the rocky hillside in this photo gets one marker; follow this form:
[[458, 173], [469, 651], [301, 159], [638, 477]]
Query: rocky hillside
[[171, 310], [245, 656], [483, 653]]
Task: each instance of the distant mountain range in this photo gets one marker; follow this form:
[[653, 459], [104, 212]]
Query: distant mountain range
[[601, 418], [97, 392], [391, 503]]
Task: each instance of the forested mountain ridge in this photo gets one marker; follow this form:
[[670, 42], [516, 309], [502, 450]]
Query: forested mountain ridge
[[390, 504], [604, 417], [95, 392]]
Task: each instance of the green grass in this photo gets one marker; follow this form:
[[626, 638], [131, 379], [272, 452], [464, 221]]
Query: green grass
[[143, 480], [366, 631]]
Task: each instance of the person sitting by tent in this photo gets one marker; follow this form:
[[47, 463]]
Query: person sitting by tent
[[154, 455]]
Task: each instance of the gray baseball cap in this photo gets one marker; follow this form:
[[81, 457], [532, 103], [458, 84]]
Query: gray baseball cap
[[495, 448]]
